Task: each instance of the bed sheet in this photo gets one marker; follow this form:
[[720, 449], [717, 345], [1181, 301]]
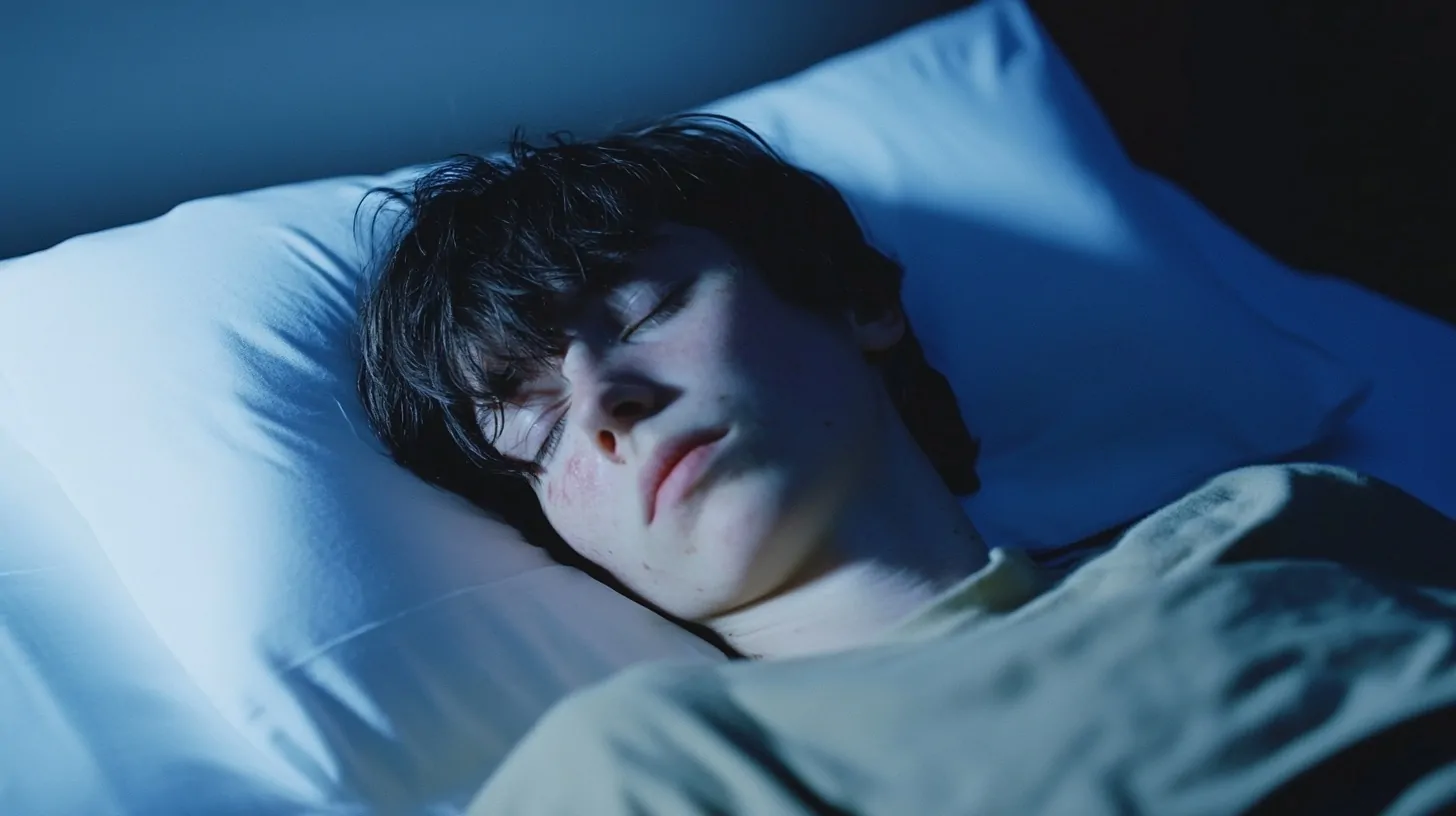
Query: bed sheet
[[1405, 433]]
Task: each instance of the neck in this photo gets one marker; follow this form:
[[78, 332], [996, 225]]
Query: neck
[[852, 605], [900, 540]]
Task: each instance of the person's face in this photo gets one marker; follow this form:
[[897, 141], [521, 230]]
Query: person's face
[[700, 435]]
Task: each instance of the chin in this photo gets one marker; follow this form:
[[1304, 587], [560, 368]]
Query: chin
[[744, 545]]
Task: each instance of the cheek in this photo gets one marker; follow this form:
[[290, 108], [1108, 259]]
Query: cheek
[[796, 375], [577, 484], [581, 508]]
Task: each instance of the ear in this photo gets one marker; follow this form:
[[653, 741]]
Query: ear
[[878, 331]]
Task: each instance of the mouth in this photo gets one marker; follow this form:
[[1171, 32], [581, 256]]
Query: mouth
[[675, 468]]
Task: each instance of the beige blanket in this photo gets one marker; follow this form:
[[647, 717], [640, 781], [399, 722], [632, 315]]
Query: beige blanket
[[1301, 659]]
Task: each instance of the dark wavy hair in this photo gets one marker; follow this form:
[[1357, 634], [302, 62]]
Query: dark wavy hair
[[492, 252]]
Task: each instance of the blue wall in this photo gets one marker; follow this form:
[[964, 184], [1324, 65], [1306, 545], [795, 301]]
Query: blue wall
[[112, 111]]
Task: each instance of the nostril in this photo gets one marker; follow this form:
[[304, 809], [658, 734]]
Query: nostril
[[608, 441], [629, 409]]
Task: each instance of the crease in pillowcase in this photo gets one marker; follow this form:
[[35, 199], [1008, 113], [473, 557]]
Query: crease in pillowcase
[[365, 628]]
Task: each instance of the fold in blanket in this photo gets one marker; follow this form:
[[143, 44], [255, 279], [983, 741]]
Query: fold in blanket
[[1282, 640]]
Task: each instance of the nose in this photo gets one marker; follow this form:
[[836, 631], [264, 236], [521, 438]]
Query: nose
[[620, 407], [613, 400]]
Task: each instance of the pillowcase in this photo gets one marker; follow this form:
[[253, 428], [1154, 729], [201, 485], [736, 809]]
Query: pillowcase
[[1403, 433], [1101, 361], [188, 383], [96, 714]]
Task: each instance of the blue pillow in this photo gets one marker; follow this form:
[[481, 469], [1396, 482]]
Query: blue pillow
[[1099, 357]]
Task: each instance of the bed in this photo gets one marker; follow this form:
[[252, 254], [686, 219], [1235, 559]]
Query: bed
[[219, 596]]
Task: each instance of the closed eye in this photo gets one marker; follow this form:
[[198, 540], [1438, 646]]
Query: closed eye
[[671, 303], [553, 438]]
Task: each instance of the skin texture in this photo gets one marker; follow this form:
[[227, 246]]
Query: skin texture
[[812, 524]]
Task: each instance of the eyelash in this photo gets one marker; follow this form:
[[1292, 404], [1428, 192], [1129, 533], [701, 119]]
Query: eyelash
[[552, 438], [672, 303]]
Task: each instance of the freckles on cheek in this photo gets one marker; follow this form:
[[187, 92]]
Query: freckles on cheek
[[577, 483], [575, 509], [580, 479]]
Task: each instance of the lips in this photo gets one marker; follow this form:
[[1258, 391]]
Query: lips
[[675, 466]]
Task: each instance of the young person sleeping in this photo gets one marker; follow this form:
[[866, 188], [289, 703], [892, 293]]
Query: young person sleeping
[[677, 356]]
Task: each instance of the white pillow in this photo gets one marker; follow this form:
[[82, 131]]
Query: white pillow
[[1099, 358], [96, 715], [188, 383]]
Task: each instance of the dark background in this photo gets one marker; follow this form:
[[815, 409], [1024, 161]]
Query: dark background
[[1321, 129]]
